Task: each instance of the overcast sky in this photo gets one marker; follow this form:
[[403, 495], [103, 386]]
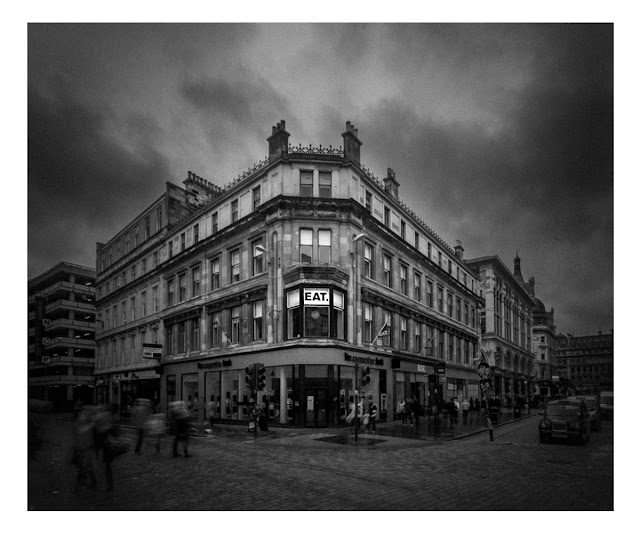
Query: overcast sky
[[500, 135]]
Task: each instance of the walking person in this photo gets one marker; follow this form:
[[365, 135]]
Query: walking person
[[104, 432], [156, 428], [211, 411], [180, 424], [83, 449], [416, 409], [465, 411], [140, 412], [373, 415], [401, 408]]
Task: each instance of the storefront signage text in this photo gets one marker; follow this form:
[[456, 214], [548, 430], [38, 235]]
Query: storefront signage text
[[215, 364], [316, 296], [367, 360]]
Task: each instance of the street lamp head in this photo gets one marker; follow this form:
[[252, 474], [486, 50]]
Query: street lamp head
[[358, 237], [261, 249]]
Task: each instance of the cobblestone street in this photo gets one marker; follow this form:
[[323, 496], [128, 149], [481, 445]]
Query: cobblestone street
[[310, 470]]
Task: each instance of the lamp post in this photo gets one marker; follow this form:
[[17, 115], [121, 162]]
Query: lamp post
[[355, 300], [484, 373]]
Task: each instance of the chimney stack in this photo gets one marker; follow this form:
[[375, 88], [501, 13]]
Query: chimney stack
[[459, 250], [351, 144], [391, 184], [278, 142]]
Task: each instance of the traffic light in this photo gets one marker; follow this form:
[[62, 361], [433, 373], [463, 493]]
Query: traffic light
[[250, 378], [365, 379], [261, 378]]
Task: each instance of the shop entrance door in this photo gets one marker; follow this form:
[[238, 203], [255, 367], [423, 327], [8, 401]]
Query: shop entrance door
[[316, 407]]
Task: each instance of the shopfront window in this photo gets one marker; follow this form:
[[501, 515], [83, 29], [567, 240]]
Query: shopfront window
[[293, 314], [337, 317], [315, 312]]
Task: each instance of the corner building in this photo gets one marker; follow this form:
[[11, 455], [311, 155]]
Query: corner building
[[308, 264]]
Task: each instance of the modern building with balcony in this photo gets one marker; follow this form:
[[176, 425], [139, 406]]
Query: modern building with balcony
[[307, 264], [506, 326], [61, 346]]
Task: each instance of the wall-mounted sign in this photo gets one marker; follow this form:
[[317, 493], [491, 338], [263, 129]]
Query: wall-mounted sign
[[46, 359], [316, 297], [151, 351]]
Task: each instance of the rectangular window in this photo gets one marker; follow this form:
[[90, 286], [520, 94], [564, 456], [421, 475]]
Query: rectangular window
[[170, 291], [156, 302], [430, 294], [417, 337], [440, 259], [235, 325], [133, 308], [324, 246], [215, 330], [183, 241], [386, 264], [256, 197], [147, 227], [417, 287], [306, 246], [169, 340], [367, 333], [404, 337], [144, 265], [196, 233], [170, 247], [403, 229], [449, 267], [182, 287], [466, 314], [337, 318], [155, 259], [368, 261], [182, 337], [235, 266], [234, 211], [257, 320], [458, 310], [387, 340], [195, 334], [387, 216], [449, 305], [195, 281], [403, 279], [450, 352], [215, 273], [306, 183], [293, 315], [367, 201], [143, 303], [473, 318], [158, 219], [316, 321], [214, 222], [123, 310], [324, 185], [440, 300], [417, 241]]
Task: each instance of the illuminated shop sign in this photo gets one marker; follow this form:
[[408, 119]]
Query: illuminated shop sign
[[316, 297]]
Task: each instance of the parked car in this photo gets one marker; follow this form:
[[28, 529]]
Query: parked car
[[593, 406], [566, 419], [606, 404]]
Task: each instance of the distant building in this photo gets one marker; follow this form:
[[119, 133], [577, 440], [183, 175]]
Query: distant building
[[543, 346], [307, 264], [61, 346], [585, 363], [506, 326]]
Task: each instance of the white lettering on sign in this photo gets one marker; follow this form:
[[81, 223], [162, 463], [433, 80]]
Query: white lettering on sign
[[422, 368], [316, 296]]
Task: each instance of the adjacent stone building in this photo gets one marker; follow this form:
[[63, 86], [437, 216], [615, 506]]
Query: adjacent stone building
[[307, 264], [506, 326], [585, 363]]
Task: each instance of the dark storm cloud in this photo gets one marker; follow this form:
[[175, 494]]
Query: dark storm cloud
[[82, 184], [542, 184]]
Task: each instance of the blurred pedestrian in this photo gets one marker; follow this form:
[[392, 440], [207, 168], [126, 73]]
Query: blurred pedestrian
[[401, 409], [77, 408], [83, 449], [104, 433], [156, 428], [465, 410], [373, 415], [180, 419], [416, 409], [140, 412], [211, 411], [409, 411]]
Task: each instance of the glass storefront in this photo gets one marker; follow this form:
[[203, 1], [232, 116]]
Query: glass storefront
[[300, 395]]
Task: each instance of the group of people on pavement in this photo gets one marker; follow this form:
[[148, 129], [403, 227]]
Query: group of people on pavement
[[409, 410]]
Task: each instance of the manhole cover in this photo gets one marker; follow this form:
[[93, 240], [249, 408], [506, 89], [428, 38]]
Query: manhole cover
[[350, 439]]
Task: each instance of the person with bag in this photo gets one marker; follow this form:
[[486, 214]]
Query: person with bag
[[401, 409]]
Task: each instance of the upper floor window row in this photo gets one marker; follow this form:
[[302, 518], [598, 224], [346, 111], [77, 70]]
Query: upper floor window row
[[308, 184]]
